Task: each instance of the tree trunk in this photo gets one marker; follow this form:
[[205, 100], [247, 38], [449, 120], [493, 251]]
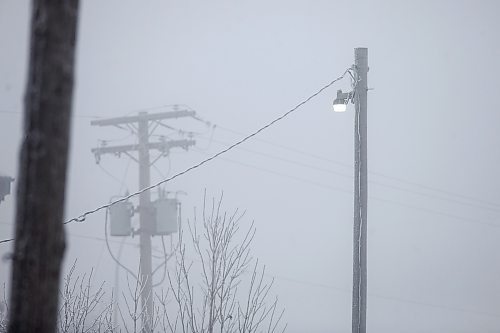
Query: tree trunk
[[40, 242]]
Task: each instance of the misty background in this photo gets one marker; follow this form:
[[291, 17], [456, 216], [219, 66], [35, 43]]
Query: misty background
[[433, 126]]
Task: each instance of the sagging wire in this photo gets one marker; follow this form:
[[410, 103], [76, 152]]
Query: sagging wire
[[104, 142], [122, 181], [172, 249], [168, 170], [164, 263], [123, 186], [109, 248], [210, 139], [109, 174], [82, 217]]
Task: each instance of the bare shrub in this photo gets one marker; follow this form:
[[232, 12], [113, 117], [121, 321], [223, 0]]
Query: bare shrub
[[4, 312], [214, 286], [83, 309], [224, 301], [134, 311]]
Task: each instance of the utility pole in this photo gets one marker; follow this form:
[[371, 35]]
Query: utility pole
[[39, 235], [145, 224], [140, 125], [360, 192]]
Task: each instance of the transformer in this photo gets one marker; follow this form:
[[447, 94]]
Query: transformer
[[121, 219], [5, 186], [166, 217]]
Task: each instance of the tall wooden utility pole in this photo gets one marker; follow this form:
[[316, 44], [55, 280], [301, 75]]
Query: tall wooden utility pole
[[360, 192], [145, 222], [39, 236], [140, 124]]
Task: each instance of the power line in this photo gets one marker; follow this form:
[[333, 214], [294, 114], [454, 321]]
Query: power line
[[95, 238], [380, 174], [19, 113], [300, 179], [343, 164], [385, 297], [83, 216], [100, 239], [88, 116], [337, 189], [109, 248], [110, 175], [119, 181], [350, 176]]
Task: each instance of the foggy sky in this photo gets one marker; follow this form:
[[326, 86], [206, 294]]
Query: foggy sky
[[433, 129]]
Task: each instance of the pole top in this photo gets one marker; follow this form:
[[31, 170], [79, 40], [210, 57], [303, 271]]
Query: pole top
[[361, 51]]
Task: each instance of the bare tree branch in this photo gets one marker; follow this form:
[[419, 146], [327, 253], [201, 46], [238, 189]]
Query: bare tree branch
[[221, 302]]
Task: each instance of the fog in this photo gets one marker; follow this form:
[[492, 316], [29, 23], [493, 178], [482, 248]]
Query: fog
[[433, 129]]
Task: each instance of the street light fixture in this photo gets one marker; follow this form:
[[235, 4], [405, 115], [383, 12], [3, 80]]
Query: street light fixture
[[340, 103]]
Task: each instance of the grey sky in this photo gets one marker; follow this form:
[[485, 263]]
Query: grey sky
[[433, 123]]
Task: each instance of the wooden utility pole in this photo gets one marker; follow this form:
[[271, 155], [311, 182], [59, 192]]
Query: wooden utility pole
[[360, 192], [141, 125], [39, 235], [145, 222]]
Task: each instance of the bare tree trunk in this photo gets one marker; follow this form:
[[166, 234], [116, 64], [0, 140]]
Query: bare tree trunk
[[40, 242]]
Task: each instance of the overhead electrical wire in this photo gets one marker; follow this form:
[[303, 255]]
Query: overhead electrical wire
[[88, 116], [350, 191], [19, 113], [350, 176], [166, 258], [110, 175], [83, 216], [109, 248], [161, 174], [6, 240], [385, 297], [380, 174], [344, 164]]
